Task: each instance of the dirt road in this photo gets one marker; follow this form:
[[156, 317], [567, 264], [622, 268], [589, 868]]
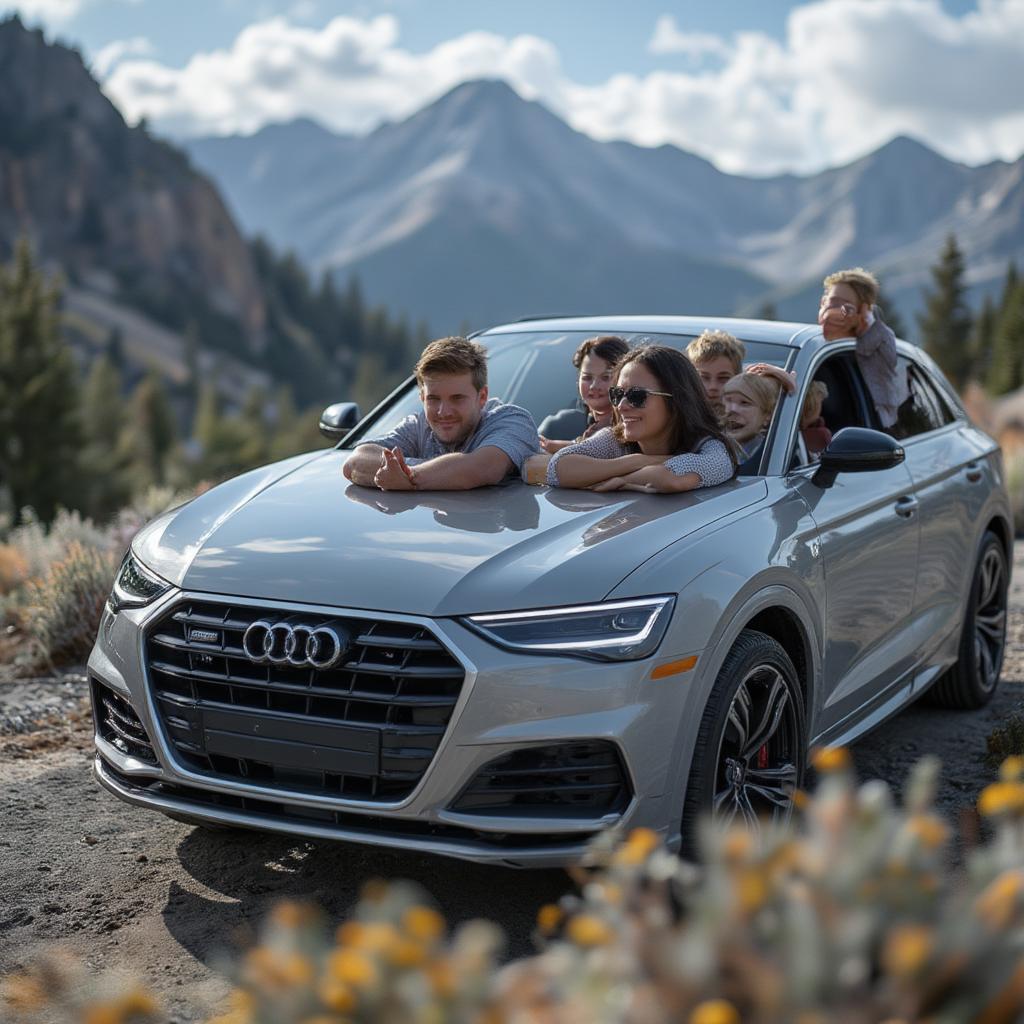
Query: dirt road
[[119, 886]]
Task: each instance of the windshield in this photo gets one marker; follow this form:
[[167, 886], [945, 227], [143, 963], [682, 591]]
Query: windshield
[[534, 369]]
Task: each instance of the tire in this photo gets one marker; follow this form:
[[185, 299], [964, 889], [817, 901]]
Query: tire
[[972, 681], [736, 778]]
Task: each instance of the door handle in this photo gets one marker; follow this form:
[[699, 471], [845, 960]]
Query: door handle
[[907, 506], [973, 472]]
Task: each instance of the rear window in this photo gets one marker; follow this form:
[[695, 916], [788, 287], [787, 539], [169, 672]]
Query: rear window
[[534, 369]]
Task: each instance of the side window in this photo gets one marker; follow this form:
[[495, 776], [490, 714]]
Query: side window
[[844, 405], [925, 409]]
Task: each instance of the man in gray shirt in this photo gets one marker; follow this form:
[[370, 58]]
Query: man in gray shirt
[[461, 439]]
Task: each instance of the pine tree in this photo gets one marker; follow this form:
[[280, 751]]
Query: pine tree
[[946, 321], [38, 396], [151, 433], [982, 340], [1007, 370], [105, 484]]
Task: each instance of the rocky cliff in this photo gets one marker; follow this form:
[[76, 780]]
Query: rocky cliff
[[116, 209]]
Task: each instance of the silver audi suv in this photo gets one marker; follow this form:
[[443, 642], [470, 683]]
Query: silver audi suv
[[501, 674]]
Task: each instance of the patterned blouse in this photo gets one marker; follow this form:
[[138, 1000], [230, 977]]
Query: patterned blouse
[[710, 461]]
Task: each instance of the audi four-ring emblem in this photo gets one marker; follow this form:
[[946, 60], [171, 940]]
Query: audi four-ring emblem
[[288, 643]]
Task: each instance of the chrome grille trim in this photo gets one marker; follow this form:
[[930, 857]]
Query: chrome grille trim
[[365, 729]]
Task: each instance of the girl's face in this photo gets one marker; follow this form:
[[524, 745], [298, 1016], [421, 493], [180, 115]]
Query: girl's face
[[596, 376], [651, 426], [744, 419]]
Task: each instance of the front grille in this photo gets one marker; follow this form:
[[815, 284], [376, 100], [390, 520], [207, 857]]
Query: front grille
[[297, 817], [365, 728], [119, 725], [585, 779]]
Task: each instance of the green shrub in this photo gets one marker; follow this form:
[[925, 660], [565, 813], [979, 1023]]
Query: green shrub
[[849, 914], [63, 609]]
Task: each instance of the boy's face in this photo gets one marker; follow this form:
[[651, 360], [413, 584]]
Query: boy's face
[[453, 406], [841, 314], [714, 375]]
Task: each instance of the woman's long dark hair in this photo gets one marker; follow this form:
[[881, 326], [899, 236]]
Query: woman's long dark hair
[[690, 414]]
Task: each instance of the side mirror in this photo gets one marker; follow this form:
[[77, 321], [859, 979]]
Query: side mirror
[[338, 419], [857, 450]]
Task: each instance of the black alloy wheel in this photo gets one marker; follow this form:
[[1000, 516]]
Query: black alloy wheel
[[751, 746], [757, 760], [972, 681]]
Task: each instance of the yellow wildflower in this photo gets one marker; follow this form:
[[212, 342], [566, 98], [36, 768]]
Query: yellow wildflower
[[1012, 769], [291, 915], [800, 799], [588, 930], [549, 917], [737, 845], [636, 849], [271, 969], [371, 936], [336, 995], [828, 760], [997, 904], [751, 890], [407, 953], [907, 948], [929, 830], [352, 967], [715, 1011], [443, 978], [1001, 798], [423, 923]]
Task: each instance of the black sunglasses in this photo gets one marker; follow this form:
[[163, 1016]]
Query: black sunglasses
[[637, 397]]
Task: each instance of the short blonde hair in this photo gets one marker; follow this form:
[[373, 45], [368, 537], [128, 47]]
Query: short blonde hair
[[762, 391], [816, 392], [451, 356], [712, 344], [864, 284]]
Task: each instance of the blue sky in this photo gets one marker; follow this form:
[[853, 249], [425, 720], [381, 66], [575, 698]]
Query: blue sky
[[755, 87]]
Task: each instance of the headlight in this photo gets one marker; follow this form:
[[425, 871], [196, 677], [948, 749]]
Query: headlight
[[135, 585], [612, 631]]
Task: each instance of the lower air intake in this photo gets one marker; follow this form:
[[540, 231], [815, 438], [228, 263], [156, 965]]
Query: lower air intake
[[584, 779], [119, 725]]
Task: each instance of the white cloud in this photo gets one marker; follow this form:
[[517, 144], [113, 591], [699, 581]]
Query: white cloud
[[114, 52], [668, 38], [54, 12], [847, 76]]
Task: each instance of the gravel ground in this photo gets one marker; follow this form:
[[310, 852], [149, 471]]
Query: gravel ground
[[127, 888]]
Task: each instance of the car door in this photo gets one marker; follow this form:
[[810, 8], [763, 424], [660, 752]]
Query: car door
[[869, 542], [946, 461]]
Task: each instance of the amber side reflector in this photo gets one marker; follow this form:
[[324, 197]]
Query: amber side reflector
[[674, 668]]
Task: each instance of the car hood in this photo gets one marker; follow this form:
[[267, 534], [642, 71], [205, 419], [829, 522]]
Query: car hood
[[298, 531]]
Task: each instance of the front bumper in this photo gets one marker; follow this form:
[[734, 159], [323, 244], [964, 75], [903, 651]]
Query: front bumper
[[508, 702]]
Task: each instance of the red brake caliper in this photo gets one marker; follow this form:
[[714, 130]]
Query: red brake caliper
[[762, 757]]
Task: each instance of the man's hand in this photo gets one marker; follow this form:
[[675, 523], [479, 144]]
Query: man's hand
[[394, 474]]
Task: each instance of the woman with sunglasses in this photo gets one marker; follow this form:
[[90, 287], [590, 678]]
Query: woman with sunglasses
[[664, 438]]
